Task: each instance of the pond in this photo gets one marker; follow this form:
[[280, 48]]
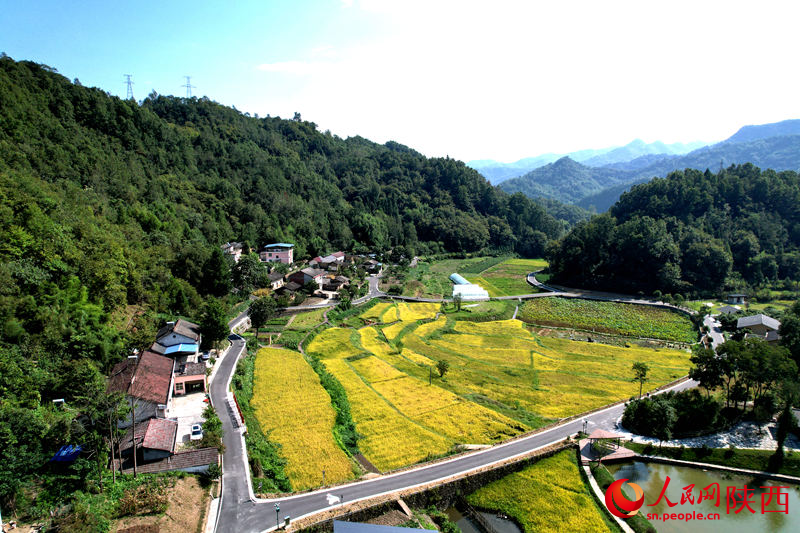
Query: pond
[[652, 476]]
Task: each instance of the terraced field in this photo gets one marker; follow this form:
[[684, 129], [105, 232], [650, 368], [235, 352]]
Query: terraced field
[[303, 426], [549, 495], [609, 317], [509, 277], [502, 379]]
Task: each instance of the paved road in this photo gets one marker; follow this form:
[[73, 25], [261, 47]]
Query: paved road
[[714, 330], [241, 512]]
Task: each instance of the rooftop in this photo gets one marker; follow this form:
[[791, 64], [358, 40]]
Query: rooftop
[[191, 369], [758, 320], [178, 461], [180, 327], [153, 433], [148, 378]]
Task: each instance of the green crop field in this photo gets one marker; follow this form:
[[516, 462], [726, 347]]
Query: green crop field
[[306, 321], [610, 317], [499, 276], [549, 495]]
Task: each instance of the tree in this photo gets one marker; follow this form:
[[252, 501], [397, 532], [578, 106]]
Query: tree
[[640, 374], [214, 323], [261, 311], [216, 279], [707, 369], [442, 367], [457, 299], [249, 273]]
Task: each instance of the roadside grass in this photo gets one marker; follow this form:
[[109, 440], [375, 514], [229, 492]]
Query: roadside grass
[[295, 412], [609, 317], [732, 457], [549, 495]]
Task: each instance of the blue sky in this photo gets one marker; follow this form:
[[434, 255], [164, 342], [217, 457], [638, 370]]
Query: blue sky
[[473, 80]]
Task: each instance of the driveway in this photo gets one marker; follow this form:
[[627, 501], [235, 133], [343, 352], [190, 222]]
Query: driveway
[[187, 410]]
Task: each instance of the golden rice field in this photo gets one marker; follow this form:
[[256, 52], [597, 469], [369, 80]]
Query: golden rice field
[[303, 425], [549, 495], [402, 419]]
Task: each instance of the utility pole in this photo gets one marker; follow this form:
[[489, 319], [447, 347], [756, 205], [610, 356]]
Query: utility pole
[[188, 86], [129, 83], [277, 517]]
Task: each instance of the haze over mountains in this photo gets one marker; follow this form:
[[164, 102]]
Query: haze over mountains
[[597, 181]]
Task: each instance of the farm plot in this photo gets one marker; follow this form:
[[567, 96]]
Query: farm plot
[[610, 317], [412, 311], [376, 311], [334, 343], [389, 439], [423, 330], [391, 332], [306, 321], [303, 426], [549, 488], [508, 278]]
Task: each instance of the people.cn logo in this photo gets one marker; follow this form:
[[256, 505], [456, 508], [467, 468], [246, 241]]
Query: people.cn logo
[[615, 500]]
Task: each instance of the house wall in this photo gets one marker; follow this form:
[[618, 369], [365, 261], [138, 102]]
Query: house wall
[[758, 329], [151, 455], [144, 410], [277, 255], [186, 380]]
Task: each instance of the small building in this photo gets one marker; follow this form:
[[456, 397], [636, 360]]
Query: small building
[[233, 249], [335, 283], [729, 310], [276, 280], [736, 299], [278, 252], [302, 277], [773, 337], [188, 378], [180, 340], [152, 439], [759, 324], [467, 291], [372, 266], [147, 382], [292, 287]]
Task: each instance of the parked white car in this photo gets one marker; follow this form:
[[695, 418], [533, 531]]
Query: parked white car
[[197, 432]]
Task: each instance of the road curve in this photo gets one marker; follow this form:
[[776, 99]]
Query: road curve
[[242, 512]]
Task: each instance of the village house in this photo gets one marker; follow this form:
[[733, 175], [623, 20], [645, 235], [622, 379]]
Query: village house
[[335, 283], [736, 299], [759, 325], [276, 280], [154, 438], [147, 382], [301, 277], [180, 340], [233, 249], [292, 287], [279, 252], [189, 378], [729, 310]]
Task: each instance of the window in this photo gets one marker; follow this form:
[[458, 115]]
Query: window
[[179, 386]]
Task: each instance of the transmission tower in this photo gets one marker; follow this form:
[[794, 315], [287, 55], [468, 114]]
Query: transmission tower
[[188, 86], [129, 83]]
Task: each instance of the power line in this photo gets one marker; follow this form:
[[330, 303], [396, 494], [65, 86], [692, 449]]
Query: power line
[[188, 86], [129, 83]]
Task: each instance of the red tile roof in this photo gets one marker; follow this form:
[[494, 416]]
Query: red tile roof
[[160, 434], [147, 379], [603, 434]]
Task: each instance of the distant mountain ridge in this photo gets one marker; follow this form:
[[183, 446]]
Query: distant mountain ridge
[[775, 146], [497, 172]]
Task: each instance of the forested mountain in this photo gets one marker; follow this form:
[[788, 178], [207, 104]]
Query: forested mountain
[[582, 185], [110, 209], [765, 131], [692, 232], [638, 148], [566, 181]]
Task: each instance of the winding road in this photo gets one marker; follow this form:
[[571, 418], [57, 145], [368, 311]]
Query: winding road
[[242, 512]]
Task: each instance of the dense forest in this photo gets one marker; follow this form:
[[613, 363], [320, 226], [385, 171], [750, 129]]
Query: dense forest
[[690, 233], [112, 214]]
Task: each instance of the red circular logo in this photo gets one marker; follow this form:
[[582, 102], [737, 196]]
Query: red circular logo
[[615, 500]]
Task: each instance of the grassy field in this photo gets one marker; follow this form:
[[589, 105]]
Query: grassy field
[[303, 423], [306, 321], [502, 379], [500, 276], [508, 278], [609, 317], [549, 495]]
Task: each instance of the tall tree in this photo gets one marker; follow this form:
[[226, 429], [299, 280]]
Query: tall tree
[[214, 323], [640, 374], [261, 311]]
